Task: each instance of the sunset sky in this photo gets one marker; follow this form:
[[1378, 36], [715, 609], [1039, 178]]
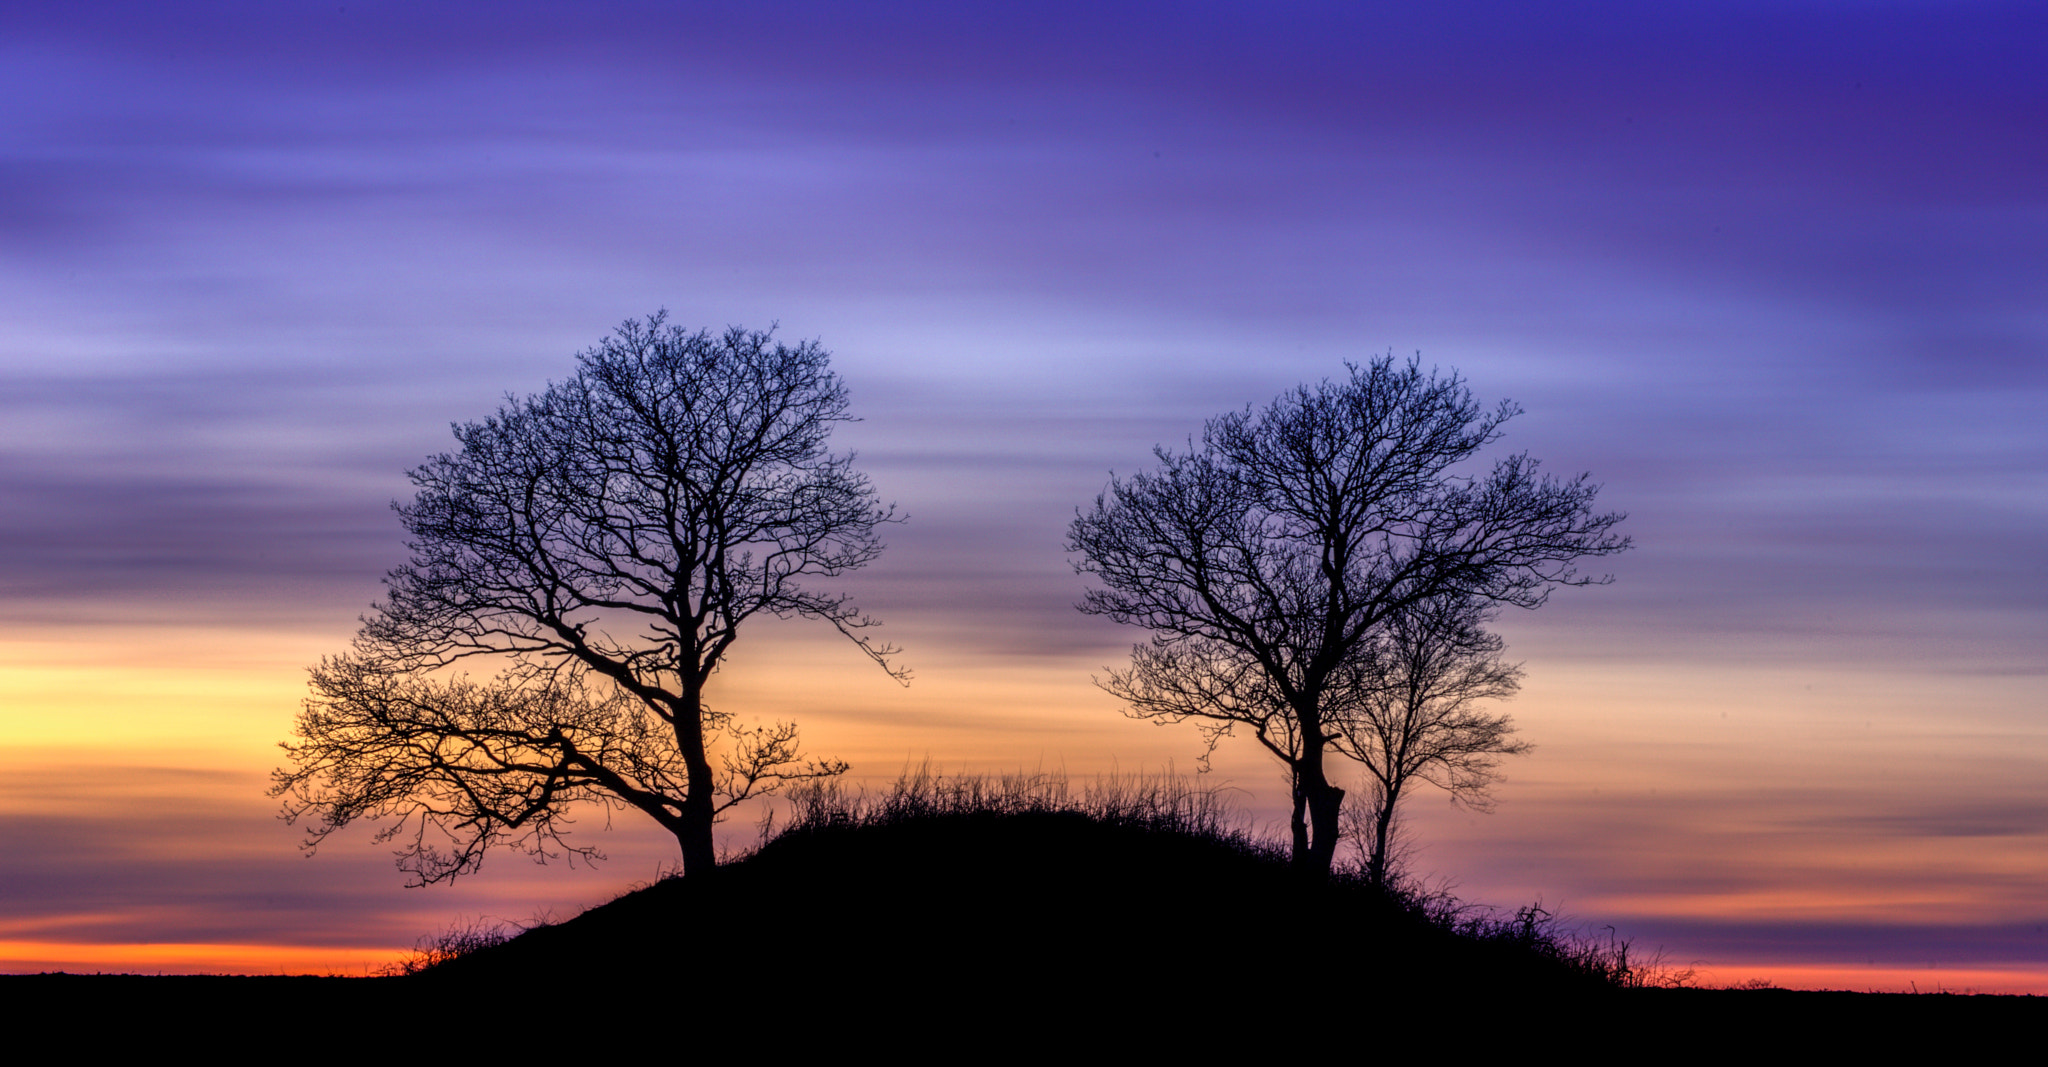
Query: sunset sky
[[1776, 274]]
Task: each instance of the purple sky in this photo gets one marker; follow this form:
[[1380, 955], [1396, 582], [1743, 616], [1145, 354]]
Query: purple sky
[[1773, 273]]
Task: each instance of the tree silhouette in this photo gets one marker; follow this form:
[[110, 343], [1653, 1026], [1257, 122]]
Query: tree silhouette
[[1416, 716], [1266, 559], [599, 545]]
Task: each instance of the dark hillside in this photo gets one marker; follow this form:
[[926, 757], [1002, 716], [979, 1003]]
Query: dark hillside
[[1056, 921]]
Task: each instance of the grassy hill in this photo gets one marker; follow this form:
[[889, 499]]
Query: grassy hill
[[965, 909]]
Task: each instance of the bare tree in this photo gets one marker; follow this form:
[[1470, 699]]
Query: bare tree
[[1416, 715], [1265, 559], [599, 545]]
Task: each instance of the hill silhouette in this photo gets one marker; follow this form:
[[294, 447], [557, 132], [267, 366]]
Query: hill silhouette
[[1140, 915]]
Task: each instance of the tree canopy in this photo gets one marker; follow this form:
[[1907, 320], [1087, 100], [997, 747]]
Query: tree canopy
[[599, 546], [1418, 716], [1267, 558]]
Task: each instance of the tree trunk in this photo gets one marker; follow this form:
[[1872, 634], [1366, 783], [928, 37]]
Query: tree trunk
[[1325, 815], [1315, 838], [1298, 822], [1383, 824], [700, 853]]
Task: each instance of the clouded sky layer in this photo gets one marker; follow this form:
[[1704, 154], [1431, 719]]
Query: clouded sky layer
[[1772, 273]]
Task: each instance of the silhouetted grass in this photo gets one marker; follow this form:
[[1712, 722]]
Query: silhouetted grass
[[465, 937], [1166, 804]]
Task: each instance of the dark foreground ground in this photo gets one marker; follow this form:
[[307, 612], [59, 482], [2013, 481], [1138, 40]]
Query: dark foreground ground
[[1003, 936]]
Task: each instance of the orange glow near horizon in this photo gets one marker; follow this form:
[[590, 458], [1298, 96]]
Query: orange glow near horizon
[[2021, 981], [1684, 795], [40, 957]]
